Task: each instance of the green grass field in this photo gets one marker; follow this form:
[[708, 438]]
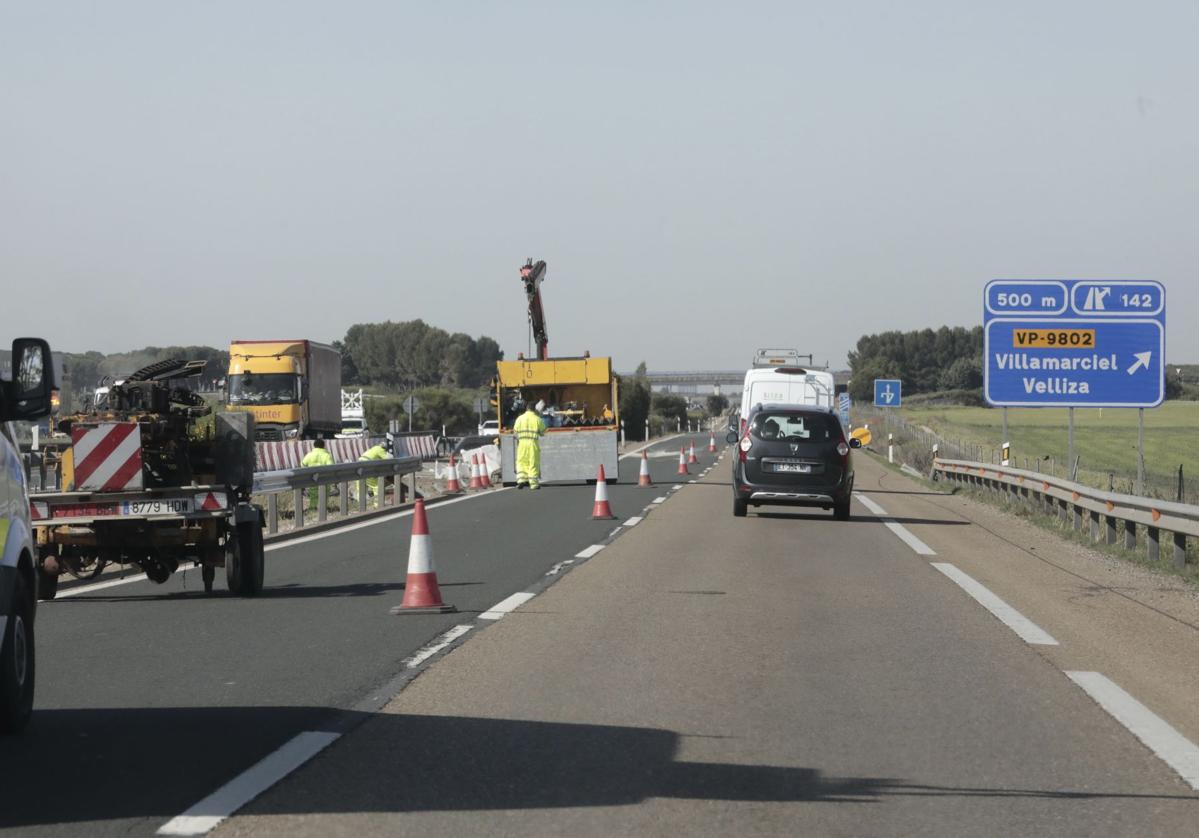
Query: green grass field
[[1105, 440]]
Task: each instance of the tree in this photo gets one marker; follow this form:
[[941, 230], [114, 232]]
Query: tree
[[1174, 389], [717, 404], [404, 356], [921, 359], [634, 407], [669, 408], [963, 374]]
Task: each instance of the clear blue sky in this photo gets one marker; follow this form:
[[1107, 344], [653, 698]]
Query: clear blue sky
[[703, 178]]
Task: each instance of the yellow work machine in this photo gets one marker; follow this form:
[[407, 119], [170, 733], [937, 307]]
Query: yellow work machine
[[581, 396]]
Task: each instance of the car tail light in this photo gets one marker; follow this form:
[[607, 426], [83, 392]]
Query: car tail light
[[842, 449], [743, 448]]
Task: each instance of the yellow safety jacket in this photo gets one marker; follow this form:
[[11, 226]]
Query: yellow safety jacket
[[317, 457], [375, 452], [528, 430]]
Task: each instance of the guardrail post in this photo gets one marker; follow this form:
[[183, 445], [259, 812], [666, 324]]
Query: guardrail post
[[362, 494], [343, 490], [272, 513], [1180, 550], [1078, 518], [1111, 529], [322, 500], [1063, 511], [1094, 525], [298, 499], [1152, 547], [1130, 535]]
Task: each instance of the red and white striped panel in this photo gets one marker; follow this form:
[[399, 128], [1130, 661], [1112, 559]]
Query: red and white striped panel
[[424, 447], [347, 450], [276, 456], [108, 457]]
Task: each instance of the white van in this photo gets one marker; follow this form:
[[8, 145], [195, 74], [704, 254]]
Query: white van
[[24, 397], [787, 385]]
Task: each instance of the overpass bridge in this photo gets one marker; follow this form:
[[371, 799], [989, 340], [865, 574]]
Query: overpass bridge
[[707, 382], [695, 382]]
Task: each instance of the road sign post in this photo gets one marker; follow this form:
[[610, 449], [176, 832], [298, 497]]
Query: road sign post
[[411, 403], [888, 392]]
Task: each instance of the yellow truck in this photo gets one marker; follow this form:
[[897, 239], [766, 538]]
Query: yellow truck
[[582, 415], [292, 387]]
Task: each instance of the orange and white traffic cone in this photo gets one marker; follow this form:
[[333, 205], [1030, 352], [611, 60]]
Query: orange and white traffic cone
[[421, 592], [476, 482], [602, 509], [711, 443], [683, 461], [691, 458], [644, 479], [453, 486], [484, 472]]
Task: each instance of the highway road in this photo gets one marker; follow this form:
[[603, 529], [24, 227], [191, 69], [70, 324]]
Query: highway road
[[786, 674], [152, 696], [932, 666]]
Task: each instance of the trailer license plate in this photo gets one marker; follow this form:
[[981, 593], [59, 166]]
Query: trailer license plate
[[158, 506], [796, 468]]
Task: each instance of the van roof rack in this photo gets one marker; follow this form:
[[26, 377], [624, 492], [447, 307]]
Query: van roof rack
[[780, 358]]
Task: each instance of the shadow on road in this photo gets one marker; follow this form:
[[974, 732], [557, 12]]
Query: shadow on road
[[289, 591], [855, 519], [903, 492], [95, 765]]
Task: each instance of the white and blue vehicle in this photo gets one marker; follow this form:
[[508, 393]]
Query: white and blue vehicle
[[24, 397]]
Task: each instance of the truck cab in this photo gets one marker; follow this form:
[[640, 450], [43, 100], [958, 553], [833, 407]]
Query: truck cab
[[24, 396], [291, 387]]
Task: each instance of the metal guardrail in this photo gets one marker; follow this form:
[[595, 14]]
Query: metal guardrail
[[299, 480], [1073, 503]]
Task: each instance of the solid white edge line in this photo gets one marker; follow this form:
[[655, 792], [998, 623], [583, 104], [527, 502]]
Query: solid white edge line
[[637, 451], [1028, 631], [1158, 735], [905, 535], [634, 521], [433, 648], [382, 519], [205, 815], [97, 586], [588, 552], [659, 500], [506, 606]]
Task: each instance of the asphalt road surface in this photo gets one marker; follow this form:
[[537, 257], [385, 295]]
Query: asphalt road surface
[[931, 667], [149, 697], [784, 674]]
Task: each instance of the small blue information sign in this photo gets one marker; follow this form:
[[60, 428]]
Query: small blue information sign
[[1074, 343], [888, 392]]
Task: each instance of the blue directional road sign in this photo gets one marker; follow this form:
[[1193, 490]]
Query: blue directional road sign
[[1074, 343], [888, 392]]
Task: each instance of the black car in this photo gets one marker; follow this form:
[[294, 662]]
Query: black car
[[793, 456]]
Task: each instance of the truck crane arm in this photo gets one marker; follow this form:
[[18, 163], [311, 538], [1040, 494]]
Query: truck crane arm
[[532, 275]]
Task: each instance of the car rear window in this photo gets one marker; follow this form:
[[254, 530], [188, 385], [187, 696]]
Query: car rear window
[[805, 427]]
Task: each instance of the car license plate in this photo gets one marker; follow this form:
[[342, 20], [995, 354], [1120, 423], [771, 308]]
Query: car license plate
[[794, 468], [158, 506]]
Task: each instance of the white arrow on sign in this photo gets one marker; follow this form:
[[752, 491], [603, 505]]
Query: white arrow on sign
[[1142, 361], [888, 395]]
